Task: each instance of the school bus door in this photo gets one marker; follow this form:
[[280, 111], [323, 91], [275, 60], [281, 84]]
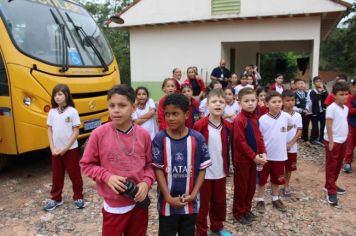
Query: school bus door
[[7, 129]]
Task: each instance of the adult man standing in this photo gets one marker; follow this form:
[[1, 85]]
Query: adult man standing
[[221, 73]]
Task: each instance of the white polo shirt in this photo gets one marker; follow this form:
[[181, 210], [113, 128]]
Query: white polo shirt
[[62, 124], [232, 108], [216, 170], [340, 126], [239, 87], [151, 124], [298, 124], [274, 132], [203, 109]]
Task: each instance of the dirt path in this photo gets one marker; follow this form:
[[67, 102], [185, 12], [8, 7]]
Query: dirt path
[[25, 186]]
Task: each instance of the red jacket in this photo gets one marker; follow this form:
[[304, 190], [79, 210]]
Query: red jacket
[[226, 136], [193, 113], [242, 150], [160, 114], [273, 87]]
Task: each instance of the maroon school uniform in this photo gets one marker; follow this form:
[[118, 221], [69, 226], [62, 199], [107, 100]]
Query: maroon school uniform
[[248, 142], [213, 190]]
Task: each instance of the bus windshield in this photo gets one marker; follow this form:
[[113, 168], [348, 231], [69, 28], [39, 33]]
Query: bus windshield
[[35, 27]]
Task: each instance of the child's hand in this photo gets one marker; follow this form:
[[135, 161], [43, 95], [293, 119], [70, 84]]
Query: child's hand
[[331, 146], [142, 192], [62, 151], [117, 184], [187, 198], [176, 202], [261, 103], [54, 152], [260, 159], [289, 145]]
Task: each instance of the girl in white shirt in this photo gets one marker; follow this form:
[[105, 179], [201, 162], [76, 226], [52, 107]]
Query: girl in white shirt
[[145, 111], [63, 129], [232, 108]]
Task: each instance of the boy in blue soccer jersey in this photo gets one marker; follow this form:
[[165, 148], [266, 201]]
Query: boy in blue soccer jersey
[[180, 157]]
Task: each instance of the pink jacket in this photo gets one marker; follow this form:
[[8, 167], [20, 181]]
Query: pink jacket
[[110, 152]]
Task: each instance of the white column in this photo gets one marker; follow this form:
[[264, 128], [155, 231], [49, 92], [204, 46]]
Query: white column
[[315, 57]]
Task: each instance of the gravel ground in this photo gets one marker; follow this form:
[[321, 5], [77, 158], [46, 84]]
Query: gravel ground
[[25, 187]]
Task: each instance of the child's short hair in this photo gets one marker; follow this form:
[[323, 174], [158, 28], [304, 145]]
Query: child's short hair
[[288, 93], [340, 87], [216, 92], [186, 86], [124, 90], [231, 89], [298, 80], [245, 91], [341, 77], [212, 84], [177, 99], [272, 94], [316, 78], [260, 90], [165, 82], [142, 88]]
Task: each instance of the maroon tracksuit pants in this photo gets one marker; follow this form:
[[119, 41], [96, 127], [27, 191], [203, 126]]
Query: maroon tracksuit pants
[[68, 162], [244, 188], [350, 144], [134, 222], [212, 203], [333, 164]]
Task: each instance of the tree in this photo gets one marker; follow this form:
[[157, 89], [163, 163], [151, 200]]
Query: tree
[[338, 51], [118, 39]]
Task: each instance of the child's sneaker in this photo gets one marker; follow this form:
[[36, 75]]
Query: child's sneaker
[[222, 232], [250, 215], [79, 203], [332, 199], [347, 168], [260, 207], [340, 191], [278, 204], [285, 192], [245, 220], [52, 204]]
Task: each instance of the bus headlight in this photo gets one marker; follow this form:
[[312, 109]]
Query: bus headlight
[[27, 101]]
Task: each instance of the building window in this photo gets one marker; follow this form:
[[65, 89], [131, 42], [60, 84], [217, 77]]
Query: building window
[[222, 7]]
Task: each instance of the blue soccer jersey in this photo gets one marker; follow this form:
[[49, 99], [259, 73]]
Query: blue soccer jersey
[[181, 161]]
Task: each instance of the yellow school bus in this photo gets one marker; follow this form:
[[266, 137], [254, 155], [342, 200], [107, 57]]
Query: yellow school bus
[[43, 43]]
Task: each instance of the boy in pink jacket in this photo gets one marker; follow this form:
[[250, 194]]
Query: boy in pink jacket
[[119, 153]]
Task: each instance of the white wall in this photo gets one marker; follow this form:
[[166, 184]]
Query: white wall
[[155, 51], [165, 11]]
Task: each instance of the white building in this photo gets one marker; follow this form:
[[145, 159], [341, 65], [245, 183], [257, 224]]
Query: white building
[[179, 33]]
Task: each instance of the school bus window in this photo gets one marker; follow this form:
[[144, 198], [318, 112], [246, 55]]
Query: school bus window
[[4, 85]]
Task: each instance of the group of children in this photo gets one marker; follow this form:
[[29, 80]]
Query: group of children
[[190, 153]]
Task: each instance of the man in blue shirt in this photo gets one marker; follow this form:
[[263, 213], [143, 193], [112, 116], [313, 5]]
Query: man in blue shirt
[[221, 73]]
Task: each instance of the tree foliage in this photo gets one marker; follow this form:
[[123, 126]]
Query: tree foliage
[[338, 52], [118, 39]]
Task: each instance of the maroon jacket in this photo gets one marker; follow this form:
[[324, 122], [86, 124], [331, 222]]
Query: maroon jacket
[[226, 136], [245, 130], [273, 87]]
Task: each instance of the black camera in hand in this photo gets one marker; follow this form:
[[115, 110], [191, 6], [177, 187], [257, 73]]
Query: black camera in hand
[[131, 192]]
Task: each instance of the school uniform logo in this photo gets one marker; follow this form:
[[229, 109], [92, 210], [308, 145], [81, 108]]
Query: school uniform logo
[[283, 129], [67, 120], [281, 178], [155, 152], [179, 157]]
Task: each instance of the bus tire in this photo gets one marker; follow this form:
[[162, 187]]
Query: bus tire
[[3, 162]]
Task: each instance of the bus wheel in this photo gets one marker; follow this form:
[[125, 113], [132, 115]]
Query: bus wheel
[[3, 162]]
